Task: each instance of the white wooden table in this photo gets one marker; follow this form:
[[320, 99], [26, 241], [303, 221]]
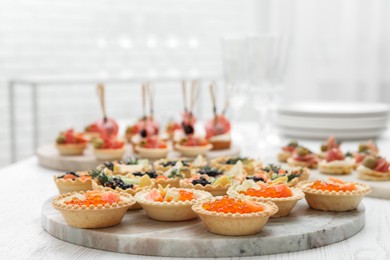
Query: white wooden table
[[25, 186]]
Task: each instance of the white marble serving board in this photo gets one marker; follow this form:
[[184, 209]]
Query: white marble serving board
[[303, 229], [49, 157]]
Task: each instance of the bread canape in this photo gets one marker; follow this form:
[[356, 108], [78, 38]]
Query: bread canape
[[284, 197], [108, 148], [172, 176], [233, 216], [71, 143], [303, 157], [218, 132], [374, 168], [273, 173], [287, 151], [333, 195], [330, 143], [93, 209], [336, 163], [73, 181], [364, 149], [213, 180], [170, 204], [102, 180], [225, 163], [152, 148], [193, 146]]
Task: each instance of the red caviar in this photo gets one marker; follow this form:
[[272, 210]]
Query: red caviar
[[326, 186], [231, 205], [95, 198], [277, 191]]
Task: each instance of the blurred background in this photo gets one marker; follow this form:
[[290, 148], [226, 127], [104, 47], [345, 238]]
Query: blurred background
[[52, 54]]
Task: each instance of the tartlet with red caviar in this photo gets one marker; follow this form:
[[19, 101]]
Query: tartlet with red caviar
[[108, 148], [193, 146], [287, 151], [73, 181], [152, 147], [93, 209], [226, 163], [234, 217], [303, 157], [218, 132], [336, 163], [170, 204], [71, 143], [374, 168], [284, 197], [333, 195]]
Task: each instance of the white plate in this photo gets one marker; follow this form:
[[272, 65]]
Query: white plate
[[334, 109], [324, 133], [331, 123]]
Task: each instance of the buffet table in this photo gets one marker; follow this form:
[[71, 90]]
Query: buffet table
[[28, 185]]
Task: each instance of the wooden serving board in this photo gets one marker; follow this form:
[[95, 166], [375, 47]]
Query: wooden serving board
[[49, 157], [303, 229]]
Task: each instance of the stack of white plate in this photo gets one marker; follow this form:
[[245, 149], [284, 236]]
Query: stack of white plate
[[318, 120]]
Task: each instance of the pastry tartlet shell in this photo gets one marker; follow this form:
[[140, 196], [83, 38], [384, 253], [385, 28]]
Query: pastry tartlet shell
[[215, 190], [285, 205], [193, 151], [170, 211], [220, 145], [96, 186], [371, 175], [332, 200], [249, 169], [237, 224], [65, 186], [330, 169], [283, 156], [152, 153], [296, 163], [160, 168], [71, 149], [93, 217], [109, 154]]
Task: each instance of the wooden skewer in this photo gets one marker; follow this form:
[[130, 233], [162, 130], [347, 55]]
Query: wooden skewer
[[213, 98], [194, 94], [151, 99], [228, 96], [100, 92], [184, 92], [143, 88]]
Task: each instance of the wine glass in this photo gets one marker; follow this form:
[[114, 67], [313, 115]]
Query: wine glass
[[267, 62], [235, 72]]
